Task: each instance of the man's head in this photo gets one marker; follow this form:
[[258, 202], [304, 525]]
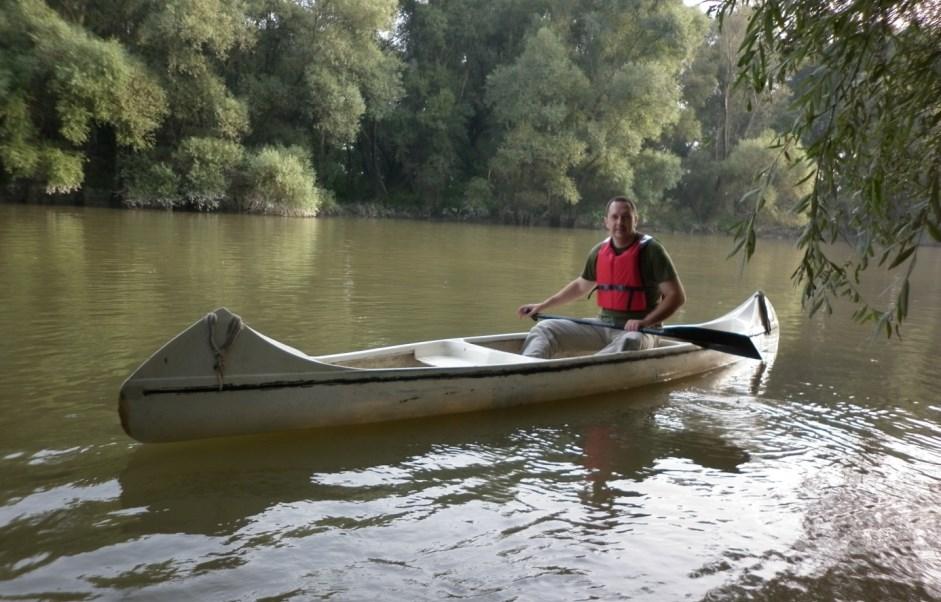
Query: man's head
[[620, 220]]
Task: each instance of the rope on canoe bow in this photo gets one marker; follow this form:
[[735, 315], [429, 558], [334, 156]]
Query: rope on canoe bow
[[231, 333]]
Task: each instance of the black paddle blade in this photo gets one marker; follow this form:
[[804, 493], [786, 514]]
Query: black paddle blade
[[720, 340]]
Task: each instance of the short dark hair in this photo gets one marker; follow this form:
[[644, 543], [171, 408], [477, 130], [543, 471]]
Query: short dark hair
[[620, 199]]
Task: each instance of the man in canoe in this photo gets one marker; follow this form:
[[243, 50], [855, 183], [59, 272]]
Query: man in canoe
[[635, 284]]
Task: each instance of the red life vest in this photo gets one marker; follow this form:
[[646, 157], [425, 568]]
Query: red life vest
[[619, 280]]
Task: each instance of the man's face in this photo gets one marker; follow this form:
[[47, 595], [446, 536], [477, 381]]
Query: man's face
[[620, 222]]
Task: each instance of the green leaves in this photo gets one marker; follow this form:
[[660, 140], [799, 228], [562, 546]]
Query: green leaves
[[537, 101], [64, 82], [316, 71], [280, 180], [206, 167], [593, 85], [867, 94], [186, 35], [336, 105]]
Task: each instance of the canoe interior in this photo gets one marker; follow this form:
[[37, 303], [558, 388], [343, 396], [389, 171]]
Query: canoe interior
[[452, 353], [399, 360]]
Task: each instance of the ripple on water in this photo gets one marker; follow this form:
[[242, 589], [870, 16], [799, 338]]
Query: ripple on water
[[712, 494], [860, 483]]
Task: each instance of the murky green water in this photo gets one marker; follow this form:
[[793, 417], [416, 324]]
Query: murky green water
[[816, 477]]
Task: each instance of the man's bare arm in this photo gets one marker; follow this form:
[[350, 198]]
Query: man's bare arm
[[672, 298], [570, 292]]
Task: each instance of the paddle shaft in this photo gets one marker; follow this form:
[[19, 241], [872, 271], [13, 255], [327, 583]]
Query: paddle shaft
[[719, 340]]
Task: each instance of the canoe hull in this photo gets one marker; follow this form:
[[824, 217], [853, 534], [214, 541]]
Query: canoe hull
[[245, 410], [320, 392]]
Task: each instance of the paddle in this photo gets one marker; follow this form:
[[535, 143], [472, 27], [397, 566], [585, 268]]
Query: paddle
[[720, 340]]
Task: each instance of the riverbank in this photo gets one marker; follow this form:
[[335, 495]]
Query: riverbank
[[377, 210]]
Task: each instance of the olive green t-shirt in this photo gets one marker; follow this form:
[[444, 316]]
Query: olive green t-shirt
[[656, 267]]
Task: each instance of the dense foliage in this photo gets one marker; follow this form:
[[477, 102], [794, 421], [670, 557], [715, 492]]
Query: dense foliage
[[512, 110], [867, 108]]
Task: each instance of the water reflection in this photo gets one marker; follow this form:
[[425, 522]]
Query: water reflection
[[214, 487], [608, 438], [602, 474], [615, 455]]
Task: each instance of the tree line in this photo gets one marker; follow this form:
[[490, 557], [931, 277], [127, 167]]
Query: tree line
[[527, 111]]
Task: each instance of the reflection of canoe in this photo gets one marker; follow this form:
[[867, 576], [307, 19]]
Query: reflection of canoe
[[219, 377]]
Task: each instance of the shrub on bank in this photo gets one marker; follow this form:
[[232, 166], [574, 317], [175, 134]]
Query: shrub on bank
[[150, 184], [280, 180], [206, 167], [209, 173]]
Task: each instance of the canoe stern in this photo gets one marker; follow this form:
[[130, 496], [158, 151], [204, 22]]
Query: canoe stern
[[216, 351]]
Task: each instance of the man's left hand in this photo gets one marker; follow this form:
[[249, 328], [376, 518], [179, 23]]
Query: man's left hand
[[634, 325]]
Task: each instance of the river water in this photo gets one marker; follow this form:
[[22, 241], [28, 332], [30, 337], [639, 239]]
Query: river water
[[815, 476]]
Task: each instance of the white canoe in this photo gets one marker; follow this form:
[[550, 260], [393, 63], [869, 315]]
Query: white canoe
[[220, 377]]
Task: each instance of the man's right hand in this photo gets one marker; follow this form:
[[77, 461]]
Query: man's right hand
[[526, 311]]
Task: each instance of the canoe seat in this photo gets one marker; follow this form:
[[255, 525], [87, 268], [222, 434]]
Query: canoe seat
[[445, 361], [458, 353]]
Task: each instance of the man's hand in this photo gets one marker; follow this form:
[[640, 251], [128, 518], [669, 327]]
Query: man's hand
[[571, 291], [634, 325], [526, 311]]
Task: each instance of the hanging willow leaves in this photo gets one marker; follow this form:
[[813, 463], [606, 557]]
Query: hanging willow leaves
[[868, 105]]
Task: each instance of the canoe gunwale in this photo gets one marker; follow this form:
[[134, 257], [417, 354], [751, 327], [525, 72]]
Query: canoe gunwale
[[330, 370], [359, 376]]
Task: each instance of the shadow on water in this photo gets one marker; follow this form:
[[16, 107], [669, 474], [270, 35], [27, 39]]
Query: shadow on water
[[215, 487]]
